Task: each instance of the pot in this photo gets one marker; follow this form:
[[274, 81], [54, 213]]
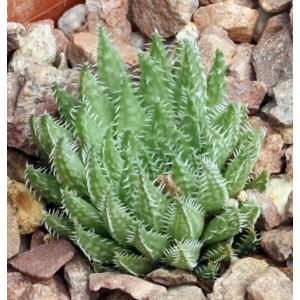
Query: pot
[[26, 11]]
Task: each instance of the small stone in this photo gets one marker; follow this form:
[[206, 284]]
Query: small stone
[[269, 217], [289, 262], [275, 6], [30, 211], [190, 32], [39, 47], [272, 150], [241, 67], [58, 287], [32, 25], [111, 14], [168, 17], [76, 273], [13, 235], [231, 202], [251, 93], [286, 133], [61, 62], [289, 162], [291, 17], [247, 3], [16, 164], [275, 24], [281, 111], [73, 19], [273, 66], [116, 295], [137, 288], [213, 38], [261, 23], [14, 85], [288, 272], [289, 206], [44, 261], [171, 277], [83, 48], [279, 189], [242, 196], [278, 243], [239, 21], [128, 53], [272, 284], [39, 291], [36, 97], [37, 239], [61, 41], [17, 284], [22, 288], [137, 40], [265, 258], [233, 283], [16, 33], [184, 292]]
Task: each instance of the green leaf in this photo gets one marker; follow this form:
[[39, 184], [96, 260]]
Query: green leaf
[[133, 264], [159, 54], [39, 139], [159, 129], [57, 224], [225, 132], [208, 271], [216, 80], [149, 242], [130, 114], [68, 167], [183, 176], [247, 242], [53, 131], [183, 255], [97, 182], [148, 203], [110, 67], [128, 182], [117, 219], [260, 182], [95, 247], [188, 75], [250, 211], [220, 251], [185, 220], [93, 94], [66, 103], [153, 85], [82, 212], [212, 193], [45, 184], [240, 166], [89, 128], [190, 120], [111, 157], [222, 227]]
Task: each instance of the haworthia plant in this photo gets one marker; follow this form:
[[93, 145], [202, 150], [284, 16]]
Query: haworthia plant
[[103, 157]]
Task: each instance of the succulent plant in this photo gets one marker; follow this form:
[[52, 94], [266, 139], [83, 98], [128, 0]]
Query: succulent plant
[[100, 163]]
